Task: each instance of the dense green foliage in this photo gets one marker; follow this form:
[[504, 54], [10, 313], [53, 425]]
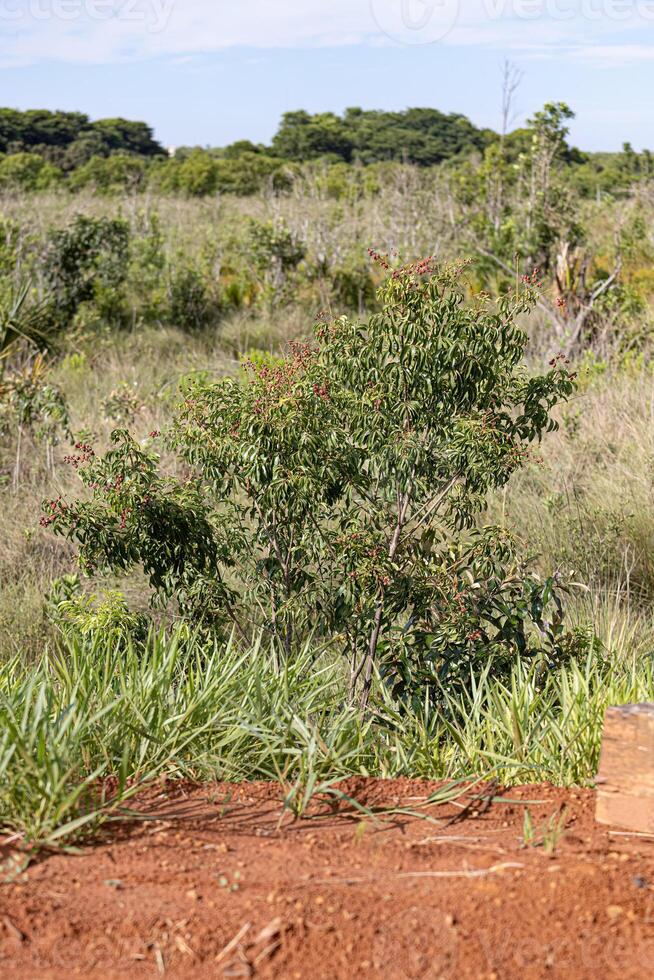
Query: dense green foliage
[[328, 492], [108, 303], [70, 139], [87, 260], [421, 136]]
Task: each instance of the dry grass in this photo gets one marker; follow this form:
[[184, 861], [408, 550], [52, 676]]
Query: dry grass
[[588, 502]]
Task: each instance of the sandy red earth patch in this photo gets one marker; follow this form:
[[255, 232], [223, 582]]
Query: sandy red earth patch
[[211, 886]]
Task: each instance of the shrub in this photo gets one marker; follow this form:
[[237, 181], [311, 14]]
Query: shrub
[[195, 176], [32, 407], [276, 252], [110, 175], [95, 618], [27, 172], [148, 265], [247, 173], [338, 490], [122, 405], [191, 304], [86, 260], [353, 287]]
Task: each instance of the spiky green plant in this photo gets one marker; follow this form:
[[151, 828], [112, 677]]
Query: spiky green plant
[[84, 729]]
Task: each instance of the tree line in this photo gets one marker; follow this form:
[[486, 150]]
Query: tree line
[[70, 139], [40, 149]]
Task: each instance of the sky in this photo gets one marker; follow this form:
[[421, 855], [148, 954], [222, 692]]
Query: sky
[[212, 71]]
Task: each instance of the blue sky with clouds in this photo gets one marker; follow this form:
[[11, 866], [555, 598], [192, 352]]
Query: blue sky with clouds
[[212, 71]]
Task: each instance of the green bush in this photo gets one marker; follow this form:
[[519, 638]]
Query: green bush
[[110, 175], [86, 261], [192, 305], [275, 252], [337, 490], [195, 175], [27, 172], [105, 618]]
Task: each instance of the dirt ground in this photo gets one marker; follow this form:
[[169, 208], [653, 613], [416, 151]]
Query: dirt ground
[[212, 886]]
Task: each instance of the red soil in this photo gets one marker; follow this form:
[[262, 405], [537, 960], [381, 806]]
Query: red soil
[[213, 887]]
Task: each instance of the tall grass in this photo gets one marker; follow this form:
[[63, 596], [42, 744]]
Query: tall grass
[[89, 725]]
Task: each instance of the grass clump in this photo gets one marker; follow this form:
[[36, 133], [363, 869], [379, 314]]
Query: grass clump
[[87, 727]]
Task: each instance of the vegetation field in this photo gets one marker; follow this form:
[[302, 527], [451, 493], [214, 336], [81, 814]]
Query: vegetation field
[[321, 463]]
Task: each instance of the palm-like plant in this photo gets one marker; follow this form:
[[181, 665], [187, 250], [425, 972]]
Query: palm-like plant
[[21, 320], [26, 399]]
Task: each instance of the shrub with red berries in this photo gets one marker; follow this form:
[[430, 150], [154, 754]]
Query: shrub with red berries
[[335, 491]]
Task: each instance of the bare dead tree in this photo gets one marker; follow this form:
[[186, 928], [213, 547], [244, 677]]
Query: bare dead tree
[[512, 77], [569, 319]]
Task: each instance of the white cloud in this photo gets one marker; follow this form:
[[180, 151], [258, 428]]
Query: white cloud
[[92, 31]]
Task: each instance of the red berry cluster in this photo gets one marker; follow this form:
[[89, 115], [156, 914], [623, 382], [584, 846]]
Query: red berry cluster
[[346, 539], [57, 508], [562, 361], [328, 330], [518, 456], [301, 353], [85, 455], [533, 280], [459, 598], [423, 267], [107, 487], [379, 259], [280, 381], [196, 413]]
